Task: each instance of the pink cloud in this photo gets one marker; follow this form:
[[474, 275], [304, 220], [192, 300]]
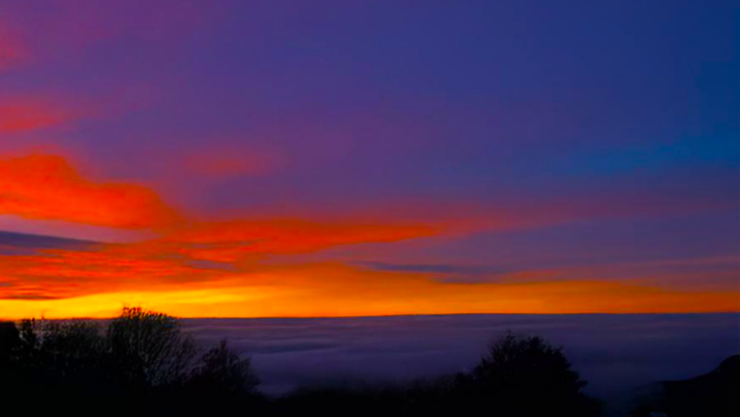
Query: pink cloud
[[25, 115], [12, 50], [222, 163]]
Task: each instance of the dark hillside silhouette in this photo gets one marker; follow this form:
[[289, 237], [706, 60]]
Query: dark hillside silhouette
[[715, 394]]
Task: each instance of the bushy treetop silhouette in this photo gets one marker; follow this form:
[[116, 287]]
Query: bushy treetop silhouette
[[515, 362], [525, 375]]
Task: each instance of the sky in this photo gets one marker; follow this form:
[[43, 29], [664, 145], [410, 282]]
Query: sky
[[292, 159]]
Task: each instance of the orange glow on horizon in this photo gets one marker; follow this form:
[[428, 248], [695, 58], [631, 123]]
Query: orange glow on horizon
[[195, 268], [349, 293]]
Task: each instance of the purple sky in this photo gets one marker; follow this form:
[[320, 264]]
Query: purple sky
[[551, 141]]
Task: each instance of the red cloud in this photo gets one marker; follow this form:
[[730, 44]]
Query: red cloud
[[234, 241], [72, 273], [46, 187]]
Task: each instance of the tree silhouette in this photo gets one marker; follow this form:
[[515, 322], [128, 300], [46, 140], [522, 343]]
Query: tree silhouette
[[220, 383], [525, 376], [148, 349], [519, 376], [69, 354], [141, 361], [144, 364], [220, 370], [9, 342]]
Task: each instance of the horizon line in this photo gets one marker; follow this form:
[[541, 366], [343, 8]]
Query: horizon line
[[2, 319]]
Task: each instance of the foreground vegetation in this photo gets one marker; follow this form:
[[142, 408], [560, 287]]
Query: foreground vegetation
[[142, 363]]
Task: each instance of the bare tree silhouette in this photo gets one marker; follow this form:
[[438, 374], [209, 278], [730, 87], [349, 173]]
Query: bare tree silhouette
[[149, 349]]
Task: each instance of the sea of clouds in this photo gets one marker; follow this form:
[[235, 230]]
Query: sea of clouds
[[615, 353]]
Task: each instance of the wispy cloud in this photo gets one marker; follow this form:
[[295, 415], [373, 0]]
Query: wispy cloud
[[19, 243]]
